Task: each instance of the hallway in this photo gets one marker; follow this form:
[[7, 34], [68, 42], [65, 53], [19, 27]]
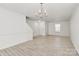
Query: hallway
[[42, 46]]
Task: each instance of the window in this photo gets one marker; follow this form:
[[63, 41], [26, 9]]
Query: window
[[57, 27]]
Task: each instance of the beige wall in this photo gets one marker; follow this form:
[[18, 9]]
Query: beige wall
[[38, 27], [47, 28], [75, 29], [64, 28], [13, 29]]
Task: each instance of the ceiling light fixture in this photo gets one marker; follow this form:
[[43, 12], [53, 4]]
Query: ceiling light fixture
[[42, 12]]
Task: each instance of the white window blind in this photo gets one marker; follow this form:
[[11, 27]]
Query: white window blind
[[57, 27]]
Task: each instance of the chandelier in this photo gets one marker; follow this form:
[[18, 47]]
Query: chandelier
[[41, 13]]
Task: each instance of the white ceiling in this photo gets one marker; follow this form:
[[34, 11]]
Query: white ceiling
[[56, 11]]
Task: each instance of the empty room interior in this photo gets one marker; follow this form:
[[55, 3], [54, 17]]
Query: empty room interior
[[39, 29]]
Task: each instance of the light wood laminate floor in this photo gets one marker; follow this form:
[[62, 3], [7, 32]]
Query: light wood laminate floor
[[42, 46]]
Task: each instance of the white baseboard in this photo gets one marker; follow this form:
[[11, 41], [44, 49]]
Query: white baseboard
[[76, 46]]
